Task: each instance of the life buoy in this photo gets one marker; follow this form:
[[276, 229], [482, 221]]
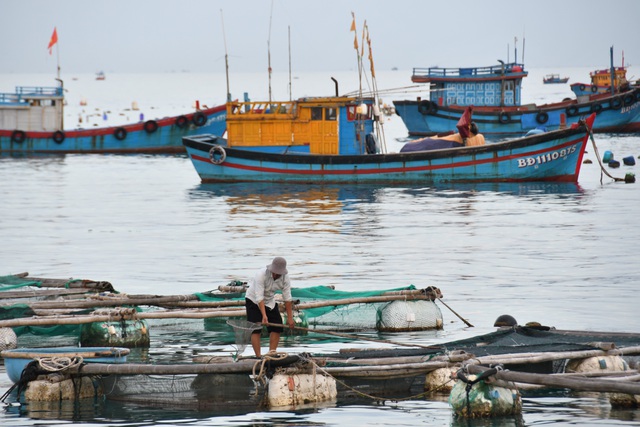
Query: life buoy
[[628, 99], [151, 126], [572, 111], [58, 137], [594, 88], [615, 103], [504, 117], [582, 87], [181, 121], [120, 134], [217, 155], [542, 117], [596, 108], [18, 136], [199, 119]]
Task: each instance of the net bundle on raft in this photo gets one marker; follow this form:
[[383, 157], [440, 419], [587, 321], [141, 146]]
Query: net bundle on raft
[[397, 309]]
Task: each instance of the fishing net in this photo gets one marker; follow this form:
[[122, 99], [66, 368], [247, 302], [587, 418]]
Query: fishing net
[[16, 282], [324, 307], [243, 330]]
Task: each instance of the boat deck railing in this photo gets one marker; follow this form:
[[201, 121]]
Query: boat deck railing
[[512, 67], [24, 93], [273, 109]]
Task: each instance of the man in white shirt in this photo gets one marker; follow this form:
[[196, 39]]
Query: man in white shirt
[[261, 304]]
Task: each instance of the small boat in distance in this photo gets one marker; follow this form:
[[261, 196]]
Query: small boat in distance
[[100, 75], [554, 78], [32, 123]]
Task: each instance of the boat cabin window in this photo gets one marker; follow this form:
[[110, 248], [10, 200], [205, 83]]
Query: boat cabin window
[[330, 114], [316, 113]]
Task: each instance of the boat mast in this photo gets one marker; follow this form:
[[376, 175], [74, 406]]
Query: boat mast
[[290, 91], [522, 48], [613, 73], [269, 49], [226, 57]]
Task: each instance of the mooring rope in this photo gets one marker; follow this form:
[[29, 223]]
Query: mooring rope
[[602, 169], [260, 376], [470, 383], [58, 364], [304, 358]]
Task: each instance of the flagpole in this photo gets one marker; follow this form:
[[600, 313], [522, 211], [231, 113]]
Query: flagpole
[[58, 59]]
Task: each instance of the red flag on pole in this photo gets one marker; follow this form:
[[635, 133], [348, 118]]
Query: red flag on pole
[[54, 40]]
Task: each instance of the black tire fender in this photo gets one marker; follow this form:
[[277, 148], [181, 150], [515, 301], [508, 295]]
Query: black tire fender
[[58, 136], [542, 117], [120, 134], [199, 119], [182, 121], [150, 126], [18, 136]]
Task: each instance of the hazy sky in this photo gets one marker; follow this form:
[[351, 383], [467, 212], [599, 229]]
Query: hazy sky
[[172, 35]]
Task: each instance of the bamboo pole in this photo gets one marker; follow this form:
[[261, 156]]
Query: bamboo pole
[[350, 336], [516, 358], [32, 293], [241, 366], [80, 353], [190, 301], [553, 380], [80, 319], [459, 317]]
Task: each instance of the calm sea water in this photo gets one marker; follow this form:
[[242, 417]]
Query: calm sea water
[[564, 255]]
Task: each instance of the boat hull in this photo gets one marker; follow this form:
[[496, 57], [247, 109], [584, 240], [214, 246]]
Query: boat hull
[[550, 156], [153, 137], [613, 115]]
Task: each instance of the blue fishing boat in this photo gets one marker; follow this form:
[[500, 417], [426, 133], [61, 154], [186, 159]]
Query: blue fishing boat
[[15, 360], [32, 120], [330, 140], [495, 92], [554, 79]]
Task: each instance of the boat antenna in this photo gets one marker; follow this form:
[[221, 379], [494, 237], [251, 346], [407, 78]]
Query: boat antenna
[[522, 47], [269, 49], [226, 57], [290, 92], [515, 49]]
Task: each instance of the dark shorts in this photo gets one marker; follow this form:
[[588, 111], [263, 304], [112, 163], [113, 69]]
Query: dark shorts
[[254, 315]]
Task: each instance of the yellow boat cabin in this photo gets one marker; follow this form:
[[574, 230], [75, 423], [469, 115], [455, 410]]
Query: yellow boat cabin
[[322, 125]]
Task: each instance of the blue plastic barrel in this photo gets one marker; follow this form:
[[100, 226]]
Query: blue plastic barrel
[[608, 156], [629, 161]]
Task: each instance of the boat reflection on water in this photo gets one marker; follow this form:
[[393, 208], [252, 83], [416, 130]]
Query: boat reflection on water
[[313, 198], [331, 199]]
